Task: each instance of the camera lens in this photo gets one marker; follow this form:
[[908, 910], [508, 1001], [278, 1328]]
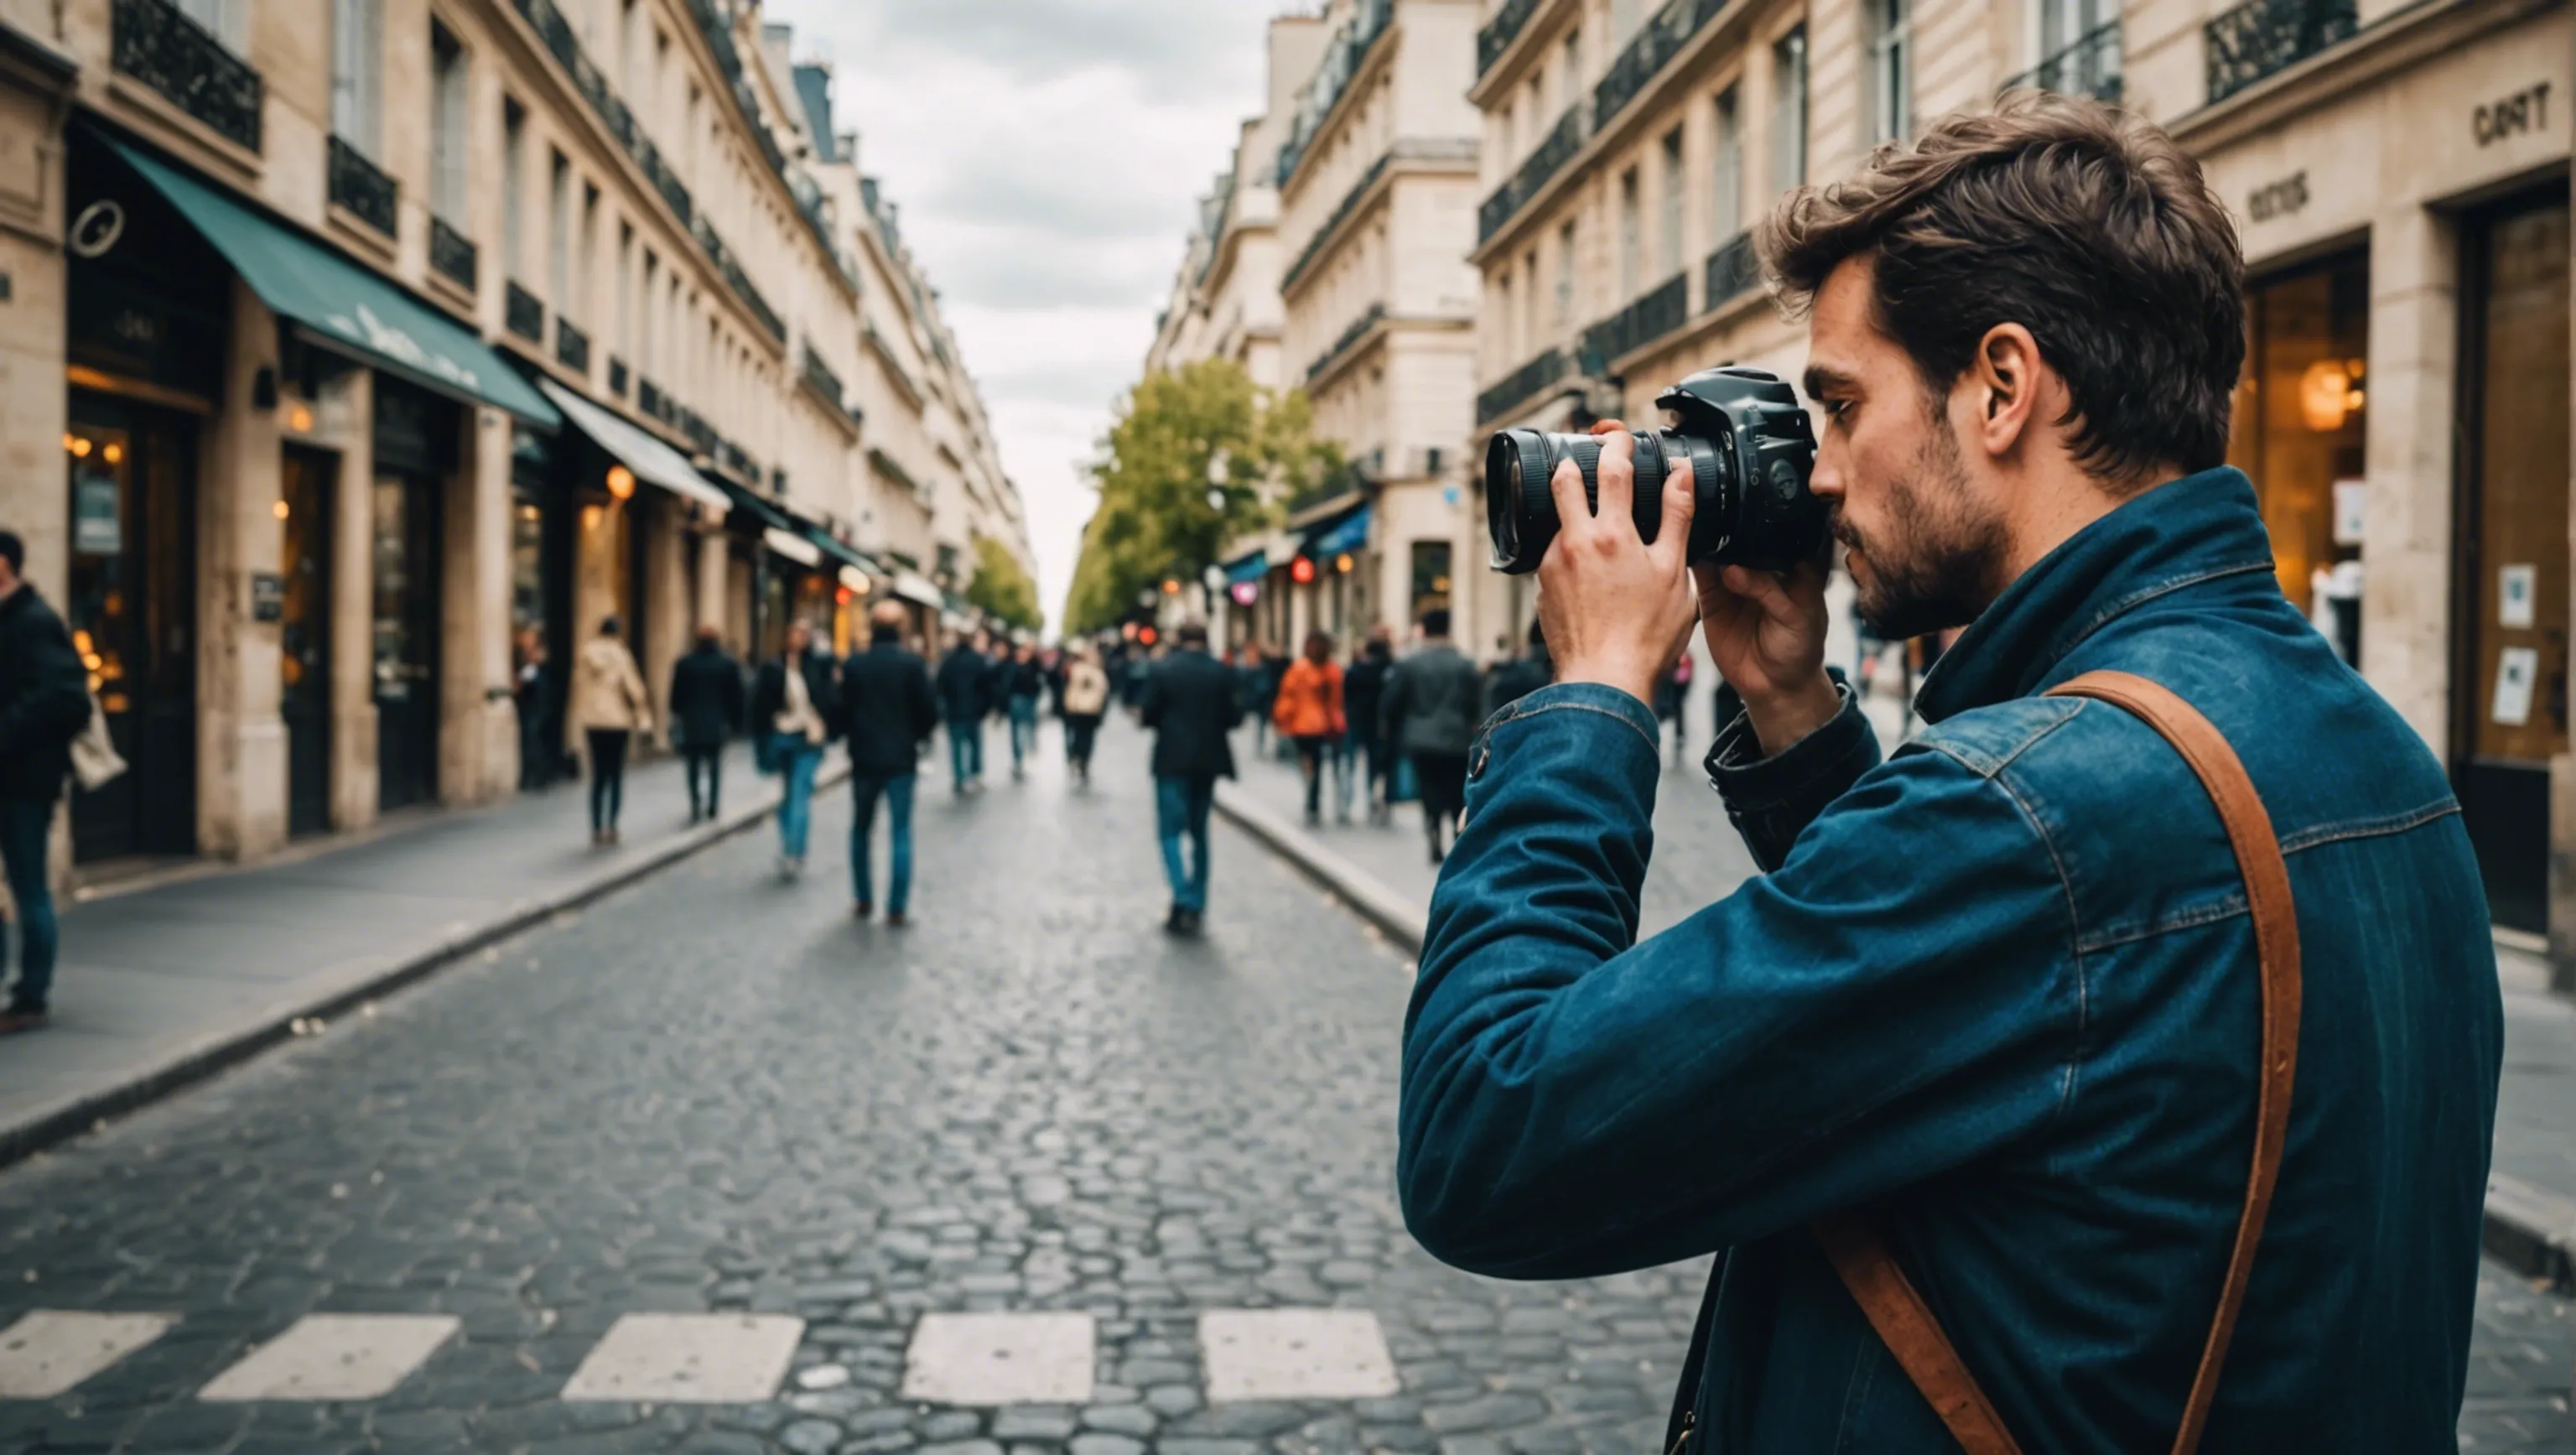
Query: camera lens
[[1520, 510]]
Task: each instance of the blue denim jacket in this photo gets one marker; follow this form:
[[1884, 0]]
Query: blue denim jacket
[[2000, 989]]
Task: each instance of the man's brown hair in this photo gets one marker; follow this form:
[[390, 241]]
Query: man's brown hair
[[2087, 226]]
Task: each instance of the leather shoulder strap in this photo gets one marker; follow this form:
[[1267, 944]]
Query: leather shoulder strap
[[1860, 1256]]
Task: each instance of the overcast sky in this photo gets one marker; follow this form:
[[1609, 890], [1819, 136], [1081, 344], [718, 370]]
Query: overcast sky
[[1047, 155]]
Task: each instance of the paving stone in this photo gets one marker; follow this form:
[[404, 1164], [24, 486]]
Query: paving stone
[[334, 1357], [1000, 1359], [688, 1359], [1033, 1422], [1121, 1419], [1107, 1445], [49, 1351], [1295, 1354]]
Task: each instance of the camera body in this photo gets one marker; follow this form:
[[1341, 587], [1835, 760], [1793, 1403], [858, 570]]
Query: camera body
[[1741, 434]]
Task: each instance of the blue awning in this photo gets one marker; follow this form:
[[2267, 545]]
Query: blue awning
[[344, 306], [1249, 567], [1347, 534]]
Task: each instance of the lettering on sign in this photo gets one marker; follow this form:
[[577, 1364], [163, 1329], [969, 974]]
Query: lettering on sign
[[2278, 199], [2525, 110]]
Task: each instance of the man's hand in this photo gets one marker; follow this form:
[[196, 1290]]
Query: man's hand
[[1766, 635], [1616, 610]]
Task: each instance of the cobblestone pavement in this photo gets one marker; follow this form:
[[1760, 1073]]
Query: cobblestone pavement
[[717, 1094]]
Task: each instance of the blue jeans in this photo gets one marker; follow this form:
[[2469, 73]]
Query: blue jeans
[[1024, 728], [25, 824], [897, 792], [1181, 807], [797, 760], [965, 749]]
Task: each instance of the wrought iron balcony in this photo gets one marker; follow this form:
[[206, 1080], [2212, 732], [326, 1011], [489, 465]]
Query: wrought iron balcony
[[1563, 140], [1350, 336], [1341, 61], [1498, 33], [1732, 270], [2262, 37], [572, 346], [522, 314], [155, 43], [819, 377], [1523, 382], [362, 187], [450, 253], [1350, 199], [2089, 67], [1655, 45], [616, 377], [1656, 313]]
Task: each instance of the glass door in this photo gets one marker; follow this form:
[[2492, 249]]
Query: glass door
[[304, 635], [406, 591], [2510, 682]]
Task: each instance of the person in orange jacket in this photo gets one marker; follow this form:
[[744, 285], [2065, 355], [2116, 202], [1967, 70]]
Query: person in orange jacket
[[1308, 712]]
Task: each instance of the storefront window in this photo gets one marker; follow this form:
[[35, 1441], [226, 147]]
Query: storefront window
[[2298, 432], [1430, 577]]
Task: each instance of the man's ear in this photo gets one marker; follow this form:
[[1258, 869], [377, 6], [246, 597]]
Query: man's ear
[[2006, 377]]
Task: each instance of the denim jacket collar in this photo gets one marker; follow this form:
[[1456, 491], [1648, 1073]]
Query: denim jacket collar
[[2201, 527]]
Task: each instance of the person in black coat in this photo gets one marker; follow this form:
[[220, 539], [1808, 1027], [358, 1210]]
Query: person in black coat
[[1521, 676], [1363, 686], [44, 704], [960, 689], [888, 712], [1192, 703], [706, 711]]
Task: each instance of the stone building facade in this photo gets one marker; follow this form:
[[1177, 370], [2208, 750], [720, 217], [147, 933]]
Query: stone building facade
[[365, 356]]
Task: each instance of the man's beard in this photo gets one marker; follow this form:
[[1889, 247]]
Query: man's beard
[[1936, 563]]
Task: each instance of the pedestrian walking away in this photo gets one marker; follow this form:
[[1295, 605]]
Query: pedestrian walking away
[[1522, 675], [1000, 671], [1192, 704], [795, 702], [1309, 713], [1086, 700], [1027, 684], [610, 707], [44, 704], [960, 685], [706, 711], [1366, 755], [2108, 1068], [888, 712], [540, 745], [1429, 714]]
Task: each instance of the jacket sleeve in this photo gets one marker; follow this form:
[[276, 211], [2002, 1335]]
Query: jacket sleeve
[[1390, 707], [631, 682], [53, 704], [1772, 800], [1896, 1000], [732, 697], [1338, 721], [1149, 705], [925, 705]]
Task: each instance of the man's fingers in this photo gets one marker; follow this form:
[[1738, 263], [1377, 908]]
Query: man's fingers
[[1618, 474], [1573, 513], [1681, 502], [1762, 589]]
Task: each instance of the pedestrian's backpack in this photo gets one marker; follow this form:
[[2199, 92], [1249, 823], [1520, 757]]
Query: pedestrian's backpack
[[94, 756], [1860, 1254]]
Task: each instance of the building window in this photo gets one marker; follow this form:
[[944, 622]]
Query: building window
[[1789, 111], [1565, 276], [1534, 111], [647, 360], [514, 185], [1891, 68], [1529, 299], [226, 20], [2064, 22], [588, 256], [357, 67], [1430, 577], [1573, 65], [1728, 175], [1672, 200], [559, 233], [1505, 313], [2297, 425], [1631, 261], [447, 111], [626, 292]]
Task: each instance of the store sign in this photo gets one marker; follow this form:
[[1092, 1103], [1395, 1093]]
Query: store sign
[[97, 529], [267, 596], [2526, 110], [2278, 199], [2516, 667]]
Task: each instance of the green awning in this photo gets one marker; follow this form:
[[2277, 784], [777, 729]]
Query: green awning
[[343, 305]]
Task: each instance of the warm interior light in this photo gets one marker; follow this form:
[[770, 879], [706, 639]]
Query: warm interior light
[[299, 419], [2327, 395], [1171, 587], [621, 481], [1342, 563], [79, 447], [113, 453], [591, 516], [277, 508]]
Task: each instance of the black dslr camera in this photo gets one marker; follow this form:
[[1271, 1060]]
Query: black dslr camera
[[1740, 432]]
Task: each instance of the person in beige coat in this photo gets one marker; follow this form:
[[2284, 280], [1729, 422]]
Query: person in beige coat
[[610, 706]]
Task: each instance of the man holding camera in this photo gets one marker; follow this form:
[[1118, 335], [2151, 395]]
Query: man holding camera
[[1991, 1089]]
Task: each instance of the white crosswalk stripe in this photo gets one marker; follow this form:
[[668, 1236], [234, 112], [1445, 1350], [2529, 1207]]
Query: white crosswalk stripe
[[999, 1359], [1302, 1353], [689, 1359], [49, 1351], [336, 1357]]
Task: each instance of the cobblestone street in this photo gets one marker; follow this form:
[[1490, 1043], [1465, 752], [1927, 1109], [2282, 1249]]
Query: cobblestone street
[[715, 1094]]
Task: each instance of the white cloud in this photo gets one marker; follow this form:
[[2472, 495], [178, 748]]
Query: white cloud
[[1047, 155]]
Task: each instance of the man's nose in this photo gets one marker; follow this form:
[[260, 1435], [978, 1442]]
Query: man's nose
[[1826, 480]]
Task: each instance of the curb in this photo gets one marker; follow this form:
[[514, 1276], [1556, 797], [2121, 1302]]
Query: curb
[[1398, 918], [69, 1116], [2526, 1229], [2531, 1232]]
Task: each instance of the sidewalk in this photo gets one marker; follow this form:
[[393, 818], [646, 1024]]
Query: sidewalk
[[162, 985], [1385, 873]]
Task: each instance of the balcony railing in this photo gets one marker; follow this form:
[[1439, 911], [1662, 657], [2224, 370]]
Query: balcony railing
[[1350, 336], [2262, 37], [1656, 43], [572, 346], [1733, 270], [616, 377], [155, 43], [1562, 142], [1342, 57], [819, 376], [1498, 33], [522, 314], [1524, 381], [362, 187], [1653, 315], [2089, 67], [450, 253], [1350, 199], [650, 399]]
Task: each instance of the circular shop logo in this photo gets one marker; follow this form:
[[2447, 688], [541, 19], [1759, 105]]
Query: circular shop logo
[[97, 228]]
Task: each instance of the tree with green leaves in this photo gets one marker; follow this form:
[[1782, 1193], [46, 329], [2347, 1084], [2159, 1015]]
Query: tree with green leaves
[[1198, 457], [1002, 588]]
